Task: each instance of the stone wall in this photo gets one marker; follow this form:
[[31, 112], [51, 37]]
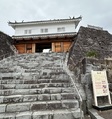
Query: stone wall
[[89, 64], [5, 45], [83, 80], [90, 42]]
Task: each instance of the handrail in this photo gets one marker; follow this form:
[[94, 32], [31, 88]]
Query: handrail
[[12, 47], [69, 73]]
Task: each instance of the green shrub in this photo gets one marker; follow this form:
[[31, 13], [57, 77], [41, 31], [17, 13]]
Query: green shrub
[[91, 54]]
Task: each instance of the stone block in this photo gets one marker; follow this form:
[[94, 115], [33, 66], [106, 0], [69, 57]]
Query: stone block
[[44, 81], [30, 81], [24, 115], [8, 116], [8, 92], [35, 91], [77, 113], [53, 105], [8, 86], [34, 86], [55, 90], [30, 98], [67, 96], [9, 81], [21, 91], [1, 99], [43, 85], [68, 104], [13, 99], [55, 96], [19, 81], [67, 90], [18, 107], [1, 86], [38, 106], [44, 97], [43, 115], [45, 90], [60, 114], [2, 108], [22, 86]]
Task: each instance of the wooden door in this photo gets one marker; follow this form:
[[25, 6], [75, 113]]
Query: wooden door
[[61, 46], [28, 48], [20, 48]]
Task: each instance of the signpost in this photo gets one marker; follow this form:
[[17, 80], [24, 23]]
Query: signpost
[[100, 85]]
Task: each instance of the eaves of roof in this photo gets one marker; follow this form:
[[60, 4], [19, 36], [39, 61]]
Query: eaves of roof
[[44, 36], [45, 21]]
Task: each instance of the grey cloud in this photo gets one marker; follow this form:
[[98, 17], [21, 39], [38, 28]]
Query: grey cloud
[[97, 12]]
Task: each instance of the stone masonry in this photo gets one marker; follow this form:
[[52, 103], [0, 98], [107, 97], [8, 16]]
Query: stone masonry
[[6, 43], [80, 62], [88, 41]]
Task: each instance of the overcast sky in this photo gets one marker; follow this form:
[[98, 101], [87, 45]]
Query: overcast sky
[[93, 12]]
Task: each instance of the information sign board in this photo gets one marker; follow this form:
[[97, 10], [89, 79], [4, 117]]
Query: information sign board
[[100, 85]]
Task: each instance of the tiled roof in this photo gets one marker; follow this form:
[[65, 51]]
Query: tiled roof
[[46, 21]]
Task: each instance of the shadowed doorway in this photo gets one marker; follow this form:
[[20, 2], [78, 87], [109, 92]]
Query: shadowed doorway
[[42, 46]]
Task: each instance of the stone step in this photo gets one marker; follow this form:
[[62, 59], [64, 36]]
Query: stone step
[[37, 106], [57, 114], [49, 90], [6, 70], [35, 97], [31, 86], [12, 80]]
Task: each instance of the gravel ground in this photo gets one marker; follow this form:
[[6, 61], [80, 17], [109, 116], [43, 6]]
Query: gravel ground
[[87, 117], [106, 114]]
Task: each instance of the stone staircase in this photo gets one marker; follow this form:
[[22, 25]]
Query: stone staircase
[[35, 86]]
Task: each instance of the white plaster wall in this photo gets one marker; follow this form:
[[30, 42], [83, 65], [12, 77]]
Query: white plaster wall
[[52, 28]]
